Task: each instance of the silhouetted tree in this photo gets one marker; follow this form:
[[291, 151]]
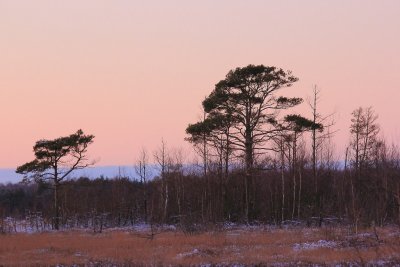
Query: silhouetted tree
[[143, 172], [364, 138], [318, 138], [248, 96], [163, 160], [55, 160], [364, 131], [297, 125]]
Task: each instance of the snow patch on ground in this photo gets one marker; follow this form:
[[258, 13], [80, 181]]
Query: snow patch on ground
[[78, 254], [364, 235], [194, 252], [315, 245]]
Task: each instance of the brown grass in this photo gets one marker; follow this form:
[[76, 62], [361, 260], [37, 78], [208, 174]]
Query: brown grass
[[175, 248]]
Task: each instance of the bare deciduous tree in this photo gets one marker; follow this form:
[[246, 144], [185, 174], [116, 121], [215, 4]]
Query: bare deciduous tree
[[143, 171]]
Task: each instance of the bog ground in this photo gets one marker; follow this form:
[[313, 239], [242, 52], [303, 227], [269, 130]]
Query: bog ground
[[239, 246]]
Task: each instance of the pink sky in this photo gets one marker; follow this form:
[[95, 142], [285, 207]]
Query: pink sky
[[134, 72]]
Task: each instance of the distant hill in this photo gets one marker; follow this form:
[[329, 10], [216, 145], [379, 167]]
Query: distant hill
[[8, 175]]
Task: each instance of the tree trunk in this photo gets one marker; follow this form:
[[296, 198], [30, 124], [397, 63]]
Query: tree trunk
[[294, 174], [246, 195], [283, 178], [299, 201], [56, 208], [166, 202], [249, 168]]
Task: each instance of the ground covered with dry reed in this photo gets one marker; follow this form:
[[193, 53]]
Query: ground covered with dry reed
[[235, 246]]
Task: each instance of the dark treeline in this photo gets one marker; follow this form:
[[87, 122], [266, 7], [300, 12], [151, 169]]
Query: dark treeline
[[256, 166], [369, 197]]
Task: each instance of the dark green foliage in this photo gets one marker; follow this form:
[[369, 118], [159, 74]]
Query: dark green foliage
[[245, 102], [199, 129], [55, 159], [251, 85], [241, 117], [299, 124], [213, 123], [283, 102]]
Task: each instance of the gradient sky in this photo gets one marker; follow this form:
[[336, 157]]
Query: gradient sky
[[134, 72]]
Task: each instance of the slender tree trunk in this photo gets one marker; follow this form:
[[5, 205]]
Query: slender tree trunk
[[299, 201], [314, 157], [398, 202], [205, 156], [314, 141], [246, 195], [353, 197], [227, 152], [166, 202], [142, 170], [249, 168], [294, 174], [283, 178], [56, 206], [357, 155], [355, 214]]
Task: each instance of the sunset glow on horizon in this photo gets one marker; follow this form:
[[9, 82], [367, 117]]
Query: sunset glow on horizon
[[133, 73]]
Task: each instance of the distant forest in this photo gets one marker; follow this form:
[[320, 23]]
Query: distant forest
[[259, 164]]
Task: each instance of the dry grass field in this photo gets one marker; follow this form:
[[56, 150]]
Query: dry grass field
[[236, 246]]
